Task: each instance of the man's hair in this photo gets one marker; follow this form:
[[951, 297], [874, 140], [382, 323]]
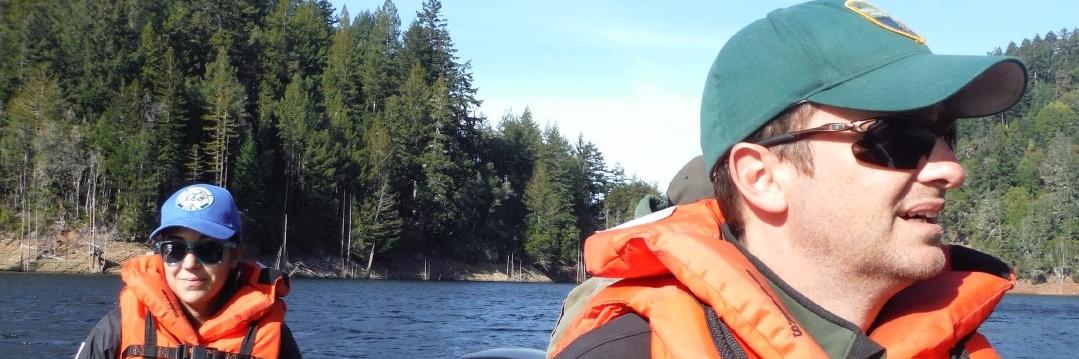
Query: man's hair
[[797, 152]]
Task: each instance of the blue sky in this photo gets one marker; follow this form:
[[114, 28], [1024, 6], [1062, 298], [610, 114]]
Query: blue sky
[[628, 74]]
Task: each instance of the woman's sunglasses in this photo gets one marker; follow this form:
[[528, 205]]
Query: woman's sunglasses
[[207, 251], [899, 142]]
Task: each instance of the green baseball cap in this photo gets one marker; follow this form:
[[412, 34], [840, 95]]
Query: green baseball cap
[[847, 54]]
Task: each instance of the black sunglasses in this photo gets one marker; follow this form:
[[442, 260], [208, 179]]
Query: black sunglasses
[[897, 141], [207, 251]]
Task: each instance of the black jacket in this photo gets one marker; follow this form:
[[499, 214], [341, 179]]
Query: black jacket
[[104, 340]]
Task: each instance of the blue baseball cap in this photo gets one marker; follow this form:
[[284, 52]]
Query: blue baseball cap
[[203, 208]]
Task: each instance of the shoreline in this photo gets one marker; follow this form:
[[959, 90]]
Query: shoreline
[[72, 259], [1057, 289]]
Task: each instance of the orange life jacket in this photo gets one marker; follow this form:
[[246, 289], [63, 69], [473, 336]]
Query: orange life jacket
[[249, 323], [674, 264]]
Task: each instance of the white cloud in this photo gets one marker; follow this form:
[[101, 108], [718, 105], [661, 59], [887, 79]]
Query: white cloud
[[651, 132]]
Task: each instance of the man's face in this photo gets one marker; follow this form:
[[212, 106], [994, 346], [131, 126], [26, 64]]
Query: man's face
[[869, 220], [196, 284]]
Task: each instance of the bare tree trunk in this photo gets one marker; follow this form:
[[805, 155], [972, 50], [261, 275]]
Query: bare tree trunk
[[348, 248], [370, 260], [282, 258], [279, 264], [1060, 270], [93, 221], [341, 233]]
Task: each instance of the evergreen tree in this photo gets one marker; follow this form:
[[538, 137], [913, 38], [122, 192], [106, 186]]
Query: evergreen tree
[[10, 53], [379, 44], [252, 198], [226, 101], [30, 128], [550, 219], [621, 200], [376, 223]]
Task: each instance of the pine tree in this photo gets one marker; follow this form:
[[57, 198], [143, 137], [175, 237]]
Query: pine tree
[[339, 89], [11, 52], [252, 197], [378, 48], [225, 113], [28, 133], [376, 222], [161, 74], [441, 188]]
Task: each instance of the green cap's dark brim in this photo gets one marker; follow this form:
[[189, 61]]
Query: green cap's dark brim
[[970, 86]]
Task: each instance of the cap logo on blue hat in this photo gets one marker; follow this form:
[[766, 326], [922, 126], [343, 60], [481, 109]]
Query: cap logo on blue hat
[[877, 16], [194, 199]]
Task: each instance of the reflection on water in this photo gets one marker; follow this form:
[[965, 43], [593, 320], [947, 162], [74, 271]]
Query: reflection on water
[[47, 315]]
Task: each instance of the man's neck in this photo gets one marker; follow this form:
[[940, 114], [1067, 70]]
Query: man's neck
[[827, 282]]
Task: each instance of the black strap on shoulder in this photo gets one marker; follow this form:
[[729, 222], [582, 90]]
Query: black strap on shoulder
[[726, 344], [182, 352], [158, 352], [149, 338], [959, 351], [248, 344], [269, 275], [150, 350]]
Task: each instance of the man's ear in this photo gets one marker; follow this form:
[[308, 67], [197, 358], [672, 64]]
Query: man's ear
[[758, 174]]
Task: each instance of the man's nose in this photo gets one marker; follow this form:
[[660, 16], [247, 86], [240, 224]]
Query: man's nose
[[942, 167]]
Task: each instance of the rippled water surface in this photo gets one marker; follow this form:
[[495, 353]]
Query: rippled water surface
[[47, 315]]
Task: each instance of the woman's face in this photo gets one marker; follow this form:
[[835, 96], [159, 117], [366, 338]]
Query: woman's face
[[197, 284]]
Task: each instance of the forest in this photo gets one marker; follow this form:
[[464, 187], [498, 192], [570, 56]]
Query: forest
[[351, 137], [1021, 196], [359, 138]]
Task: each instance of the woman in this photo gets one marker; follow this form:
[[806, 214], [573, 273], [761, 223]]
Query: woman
[[196, 297]]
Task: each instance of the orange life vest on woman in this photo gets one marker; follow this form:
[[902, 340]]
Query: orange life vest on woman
[[248, 323], [679, 260]]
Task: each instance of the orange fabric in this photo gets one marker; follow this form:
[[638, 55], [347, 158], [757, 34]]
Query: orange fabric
[[688, 261], [978, 347], [146, 292], [676, 261]]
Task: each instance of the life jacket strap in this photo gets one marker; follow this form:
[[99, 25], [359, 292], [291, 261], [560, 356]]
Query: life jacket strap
[[149, 338], [725, 342], [248, 344], [150, 350], [182, 352]]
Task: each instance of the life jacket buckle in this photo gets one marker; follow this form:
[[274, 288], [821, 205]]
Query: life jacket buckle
[[201, 352]]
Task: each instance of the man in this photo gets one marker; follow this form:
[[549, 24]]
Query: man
[[689, 185], [829, 132], [197, 297]]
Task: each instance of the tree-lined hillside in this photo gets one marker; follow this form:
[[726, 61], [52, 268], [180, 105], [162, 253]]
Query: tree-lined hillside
[[347, 136], [1021, 197]]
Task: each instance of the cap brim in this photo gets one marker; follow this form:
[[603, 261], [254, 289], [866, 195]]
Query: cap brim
[[206, 228], [969, 86]]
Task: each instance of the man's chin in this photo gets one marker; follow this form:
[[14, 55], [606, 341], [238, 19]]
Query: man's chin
[[923, 263]]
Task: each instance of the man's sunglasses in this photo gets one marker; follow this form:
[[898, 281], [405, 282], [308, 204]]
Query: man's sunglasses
[[899, 142], [207, 251]]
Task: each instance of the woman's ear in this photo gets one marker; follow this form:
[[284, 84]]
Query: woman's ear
[[759, 176]]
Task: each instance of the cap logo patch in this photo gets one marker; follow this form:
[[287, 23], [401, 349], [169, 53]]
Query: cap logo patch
[[877, 16], [194, 199]]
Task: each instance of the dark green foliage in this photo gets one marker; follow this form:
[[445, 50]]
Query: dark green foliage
[[364, 134], [622, 198], [224, 115], [1019, 201]]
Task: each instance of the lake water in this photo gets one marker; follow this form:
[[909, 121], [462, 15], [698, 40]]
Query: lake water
[[47, 315]]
